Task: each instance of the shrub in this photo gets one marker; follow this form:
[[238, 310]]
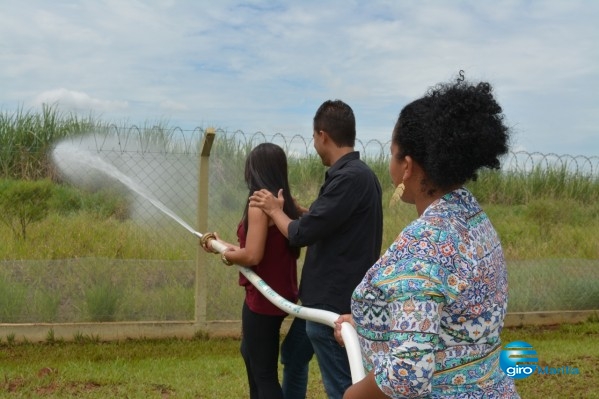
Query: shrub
[[23, 203]]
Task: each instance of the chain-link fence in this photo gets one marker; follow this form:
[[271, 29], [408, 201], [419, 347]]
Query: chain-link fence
[[156, 176]]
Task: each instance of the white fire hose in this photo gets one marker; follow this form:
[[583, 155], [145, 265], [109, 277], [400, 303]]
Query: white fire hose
[[350, 337]]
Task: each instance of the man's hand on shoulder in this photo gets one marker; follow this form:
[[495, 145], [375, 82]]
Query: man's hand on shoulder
[[264, 200]]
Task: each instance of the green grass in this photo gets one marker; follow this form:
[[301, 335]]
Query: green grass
[[553, 284], [559, 346], [213, 368], [91, 289]]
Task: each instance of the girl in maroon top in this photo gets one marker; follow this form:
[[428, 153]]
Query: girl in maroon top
[[266, 250]]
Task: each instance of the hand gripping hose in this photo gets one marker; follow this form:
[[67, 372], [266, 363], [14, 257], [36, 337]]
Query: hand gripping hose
[[350, 337]]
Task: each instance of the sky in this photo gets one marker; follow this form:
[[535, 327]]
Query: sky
[[266, 66]]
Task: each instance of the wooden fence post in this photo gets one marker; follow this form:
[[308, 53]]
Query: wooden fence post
[[202, 223]]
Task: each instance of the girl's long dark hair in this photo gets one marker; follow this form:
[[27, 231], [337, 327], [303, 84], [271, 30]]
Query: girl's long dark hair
[[266, 168]]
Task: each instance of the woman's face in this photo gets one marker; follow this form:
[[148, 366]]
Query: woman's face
[[396, 168]]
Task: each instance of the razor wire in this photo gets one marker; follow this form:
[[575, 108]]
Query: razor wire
[[176, 140]]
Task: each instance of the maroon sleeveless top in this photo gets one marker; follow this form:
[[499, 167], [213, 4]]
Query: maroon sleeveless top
[[278, 269]]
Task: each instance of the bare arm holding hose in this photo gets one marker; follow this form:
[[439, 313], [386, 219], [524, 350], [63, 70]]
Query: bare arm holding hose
[[254, 247]]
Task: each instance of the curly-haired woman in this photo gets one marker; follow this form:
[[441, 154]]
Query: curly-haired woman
[[429, 312]]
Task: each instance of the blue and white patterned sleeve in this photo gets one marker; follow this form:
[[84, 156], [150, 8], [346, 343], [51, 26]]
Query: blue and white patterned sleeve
[[397, 311]]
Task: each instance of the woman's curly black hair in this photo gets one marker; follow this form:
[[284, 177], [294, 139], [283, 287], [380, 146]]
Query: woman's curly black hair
[[454, 130]]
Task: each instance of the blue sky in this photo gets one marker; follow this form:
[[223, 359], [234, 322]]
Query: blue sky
[[266, 66]]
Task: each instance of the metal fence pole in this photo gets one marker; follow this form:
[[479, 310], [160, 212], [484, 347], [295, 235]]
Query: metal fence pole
[[202, 222]]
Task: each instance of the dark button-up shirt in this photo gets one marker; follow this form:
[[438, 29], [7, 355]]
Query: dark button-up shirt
[[343, 232]]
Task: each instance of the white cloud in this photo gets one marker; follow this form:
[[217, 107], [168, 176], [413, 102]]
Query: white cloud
[[78, 101]]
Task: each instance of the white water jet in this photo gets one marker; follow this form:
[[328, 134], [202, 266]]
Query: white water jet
[[81, 167]]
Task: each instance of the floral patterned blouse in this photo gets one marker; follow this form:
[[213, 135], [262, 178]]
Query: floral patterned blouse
[[429, 312]]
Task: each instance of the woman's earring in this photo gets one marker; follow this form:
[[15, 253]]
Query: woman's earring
[[397, 194]]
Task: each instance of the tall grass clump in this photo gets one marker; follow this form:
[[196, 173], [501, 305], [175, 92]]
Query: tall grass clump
[[519, 187], [26, 137], [103, 298]]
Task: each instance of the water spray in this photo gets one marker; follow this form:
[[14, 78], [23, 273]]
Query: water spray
[[350, 337]]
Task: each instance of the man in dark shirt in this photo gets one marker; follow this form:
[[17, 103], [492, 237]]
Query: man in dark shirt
[[342, 230]]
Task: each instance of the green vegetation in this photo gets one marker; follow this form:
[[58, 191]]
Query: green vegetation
[[26, 137], [73, 255], [23, 203], [213, 368]]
